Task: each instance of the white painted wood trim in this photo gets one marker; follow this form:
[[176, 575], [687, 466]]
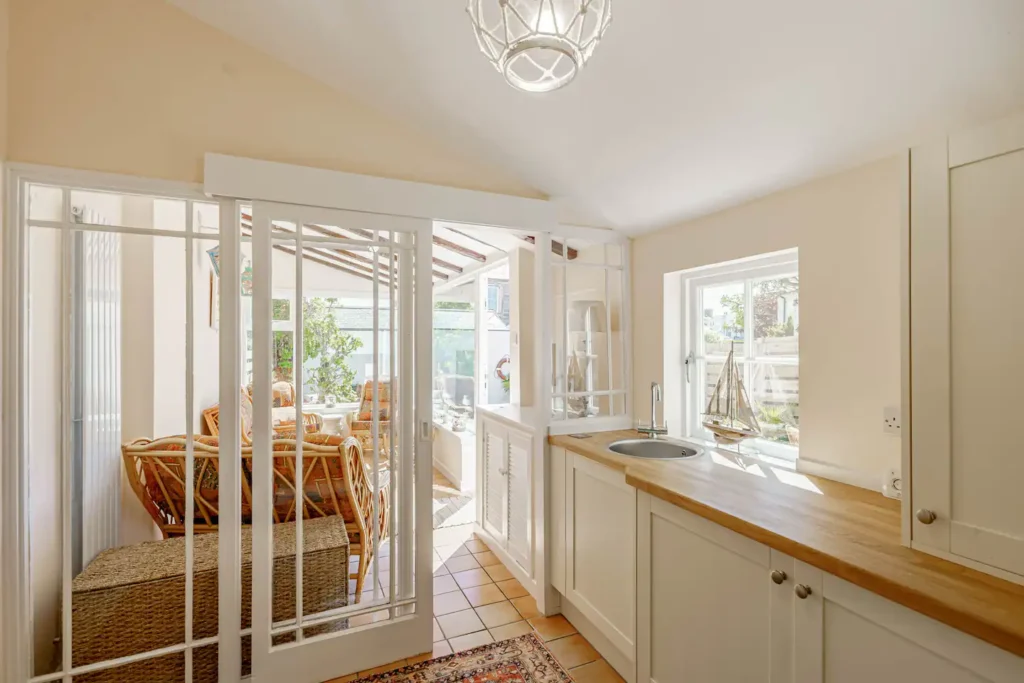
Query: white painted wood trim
[[230, 176], [996, 665], [930, 353], [906, 390], [556, 517], [591, 424], [230, 487], [782, 612], [994, 139], [543, 547], [96, 181], [968, 562], [15, 589], [644, 515]]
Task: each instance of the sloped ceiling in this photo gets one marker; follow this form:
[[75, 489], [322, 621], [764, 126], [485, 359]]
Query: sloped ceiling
[[688, 106]]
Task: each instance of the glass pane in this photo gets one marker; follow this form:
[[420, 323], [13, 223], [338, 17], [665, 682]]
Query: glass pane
[[205, 217], [558, 355], [775, 397], [723, 312], [498, 361], [587, 363], [45, 203], [777, 316], [45, 395], [455, 356], [125, 210]]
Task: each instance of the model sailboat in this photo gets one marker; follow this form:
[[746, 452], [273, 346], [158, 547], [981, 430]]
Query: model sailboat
[[729, 416]]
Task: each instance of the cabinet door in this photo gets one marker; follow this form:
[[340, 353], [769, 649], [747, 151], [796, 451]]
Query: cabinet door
[[704, 600], [864, 637], [518, 525], [556, 513], [495, 492], [600, 568], [967, 329]]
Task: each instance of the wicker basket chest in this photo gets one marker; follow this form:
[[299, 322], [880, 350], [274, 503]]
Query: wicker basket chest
[[132, 599]]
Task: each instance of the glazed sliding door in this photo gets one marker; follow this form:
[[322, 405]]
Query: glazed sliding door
[[341, 518]]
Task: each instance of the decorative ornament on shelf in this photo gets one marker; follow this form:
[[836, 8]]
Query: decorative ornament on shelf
[[539, 45]]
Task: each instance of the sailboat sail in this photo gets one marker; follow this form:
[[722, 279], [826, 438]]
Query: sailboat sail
[[729, 415]]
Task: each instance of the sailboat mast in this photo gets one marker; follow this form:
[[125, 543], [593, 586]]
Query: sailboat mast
[[728, 385]]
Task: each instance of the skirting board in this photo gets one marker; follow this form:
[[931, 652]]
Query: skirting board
[[613, 655]]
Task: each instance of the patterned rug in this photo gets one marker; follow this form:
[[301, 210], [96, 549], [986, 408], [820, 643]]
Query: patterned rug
[[517, 660]]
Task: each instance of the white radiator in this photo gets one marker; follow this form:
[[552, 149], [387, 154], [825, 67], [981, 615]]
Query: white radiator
[[100, 391]]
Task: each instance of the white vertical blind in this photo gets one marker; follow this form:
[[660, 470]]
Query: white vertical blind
[[100, 386]]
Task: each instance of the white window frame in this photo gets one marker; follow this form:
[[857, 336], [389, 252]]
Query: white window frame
[[694, 360], [559, 266]]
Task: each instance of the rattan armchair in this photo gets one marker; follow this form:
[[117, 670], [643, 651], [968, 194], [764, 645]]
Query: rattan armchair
[[337, 482], [284, 430]]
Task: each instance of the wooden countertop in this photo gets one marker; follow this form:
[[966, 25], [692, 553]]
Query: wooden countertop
[[844, 530]]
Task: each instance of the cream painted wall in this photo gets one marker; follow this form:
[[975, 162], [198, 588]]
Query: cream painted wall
[[522, 326], [847, 229], [140, 87]]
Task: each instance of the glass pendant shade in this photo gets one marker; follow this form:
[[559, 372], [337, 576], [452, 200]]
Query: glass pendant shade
[[539, 45]]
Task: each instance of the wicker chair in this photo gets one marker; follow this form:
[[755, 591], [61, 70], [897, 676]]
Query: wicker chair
[[283, 430], [337, 482], [361, 423]]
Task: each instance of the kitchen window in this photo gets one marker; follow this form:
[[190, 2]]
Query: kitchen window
[[751, 308]]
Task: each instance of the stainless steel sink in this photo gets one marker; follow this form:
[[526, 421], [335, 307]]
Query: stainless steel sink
[[656, 449]]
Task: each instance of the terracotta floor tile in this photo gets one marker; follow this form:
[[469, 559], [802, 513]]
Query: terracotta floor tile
[[550, 628], [527, 607], [438, 633], [470, 641], [473, 577], [461, 563], [448, 551], [460, 623], [498, 614], [499, 572], [441, 649], [484, 595], [573, 651], [452, 535], [444, 584], [512, 589], [475, 545], [516, 628], [446, 603], [487, 558], [596, 672]]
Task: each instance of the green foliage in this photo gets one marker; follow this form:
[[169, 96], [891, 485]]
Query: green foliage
[[329, 347], [774, 415], [766, 309], [284, 354], [282, 309], [453, 306]]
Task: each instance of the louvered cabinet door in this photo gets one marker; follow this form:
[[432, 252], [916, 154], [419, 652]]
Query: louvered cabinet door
[[519, 504], [495, 443]]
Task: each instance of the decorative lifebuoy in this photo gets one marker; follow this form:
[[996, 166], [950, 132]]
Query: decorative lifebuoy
[[505, 360]]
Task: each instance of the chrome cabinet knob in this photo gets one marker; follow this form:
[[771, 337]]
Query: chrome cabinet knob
[[802, 591], [778, 576], [925, 516]]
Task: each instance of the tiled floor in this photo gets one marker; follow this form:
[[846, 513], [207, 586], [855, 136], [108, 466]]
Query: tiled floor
[[477, 601]]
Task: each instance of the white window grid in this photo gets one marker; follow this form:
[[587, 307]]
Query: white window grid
[[612, 265], [748, 273]]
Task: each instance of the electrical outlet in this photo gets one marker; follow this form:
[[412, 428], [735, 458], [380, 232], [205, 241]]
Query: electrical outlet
[[892, 421], [892, 485]]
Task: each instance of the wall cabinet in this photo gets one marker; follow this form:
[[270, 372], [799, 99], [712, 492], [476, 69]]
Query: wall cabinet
[[505, 514], [600, 550], [965, 372], [716, 606]]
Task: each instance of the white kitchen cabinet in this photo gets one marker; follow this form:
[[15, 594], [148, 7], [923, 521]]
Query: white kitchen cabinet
[[966, 330], [600, 551], [505, 501], [556, 515], [708, 609], [864, 637]]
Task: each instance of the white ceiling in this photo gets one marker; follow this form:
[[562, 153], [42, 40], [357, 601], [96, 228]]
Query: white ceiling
[[688, 106]]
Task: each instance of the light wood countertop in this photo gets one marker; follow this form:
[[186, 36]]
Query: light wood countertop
[[844, 530]]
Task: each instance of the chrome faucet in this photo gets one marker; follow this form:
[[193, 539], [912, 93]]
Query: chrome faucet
[[653, 430]]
